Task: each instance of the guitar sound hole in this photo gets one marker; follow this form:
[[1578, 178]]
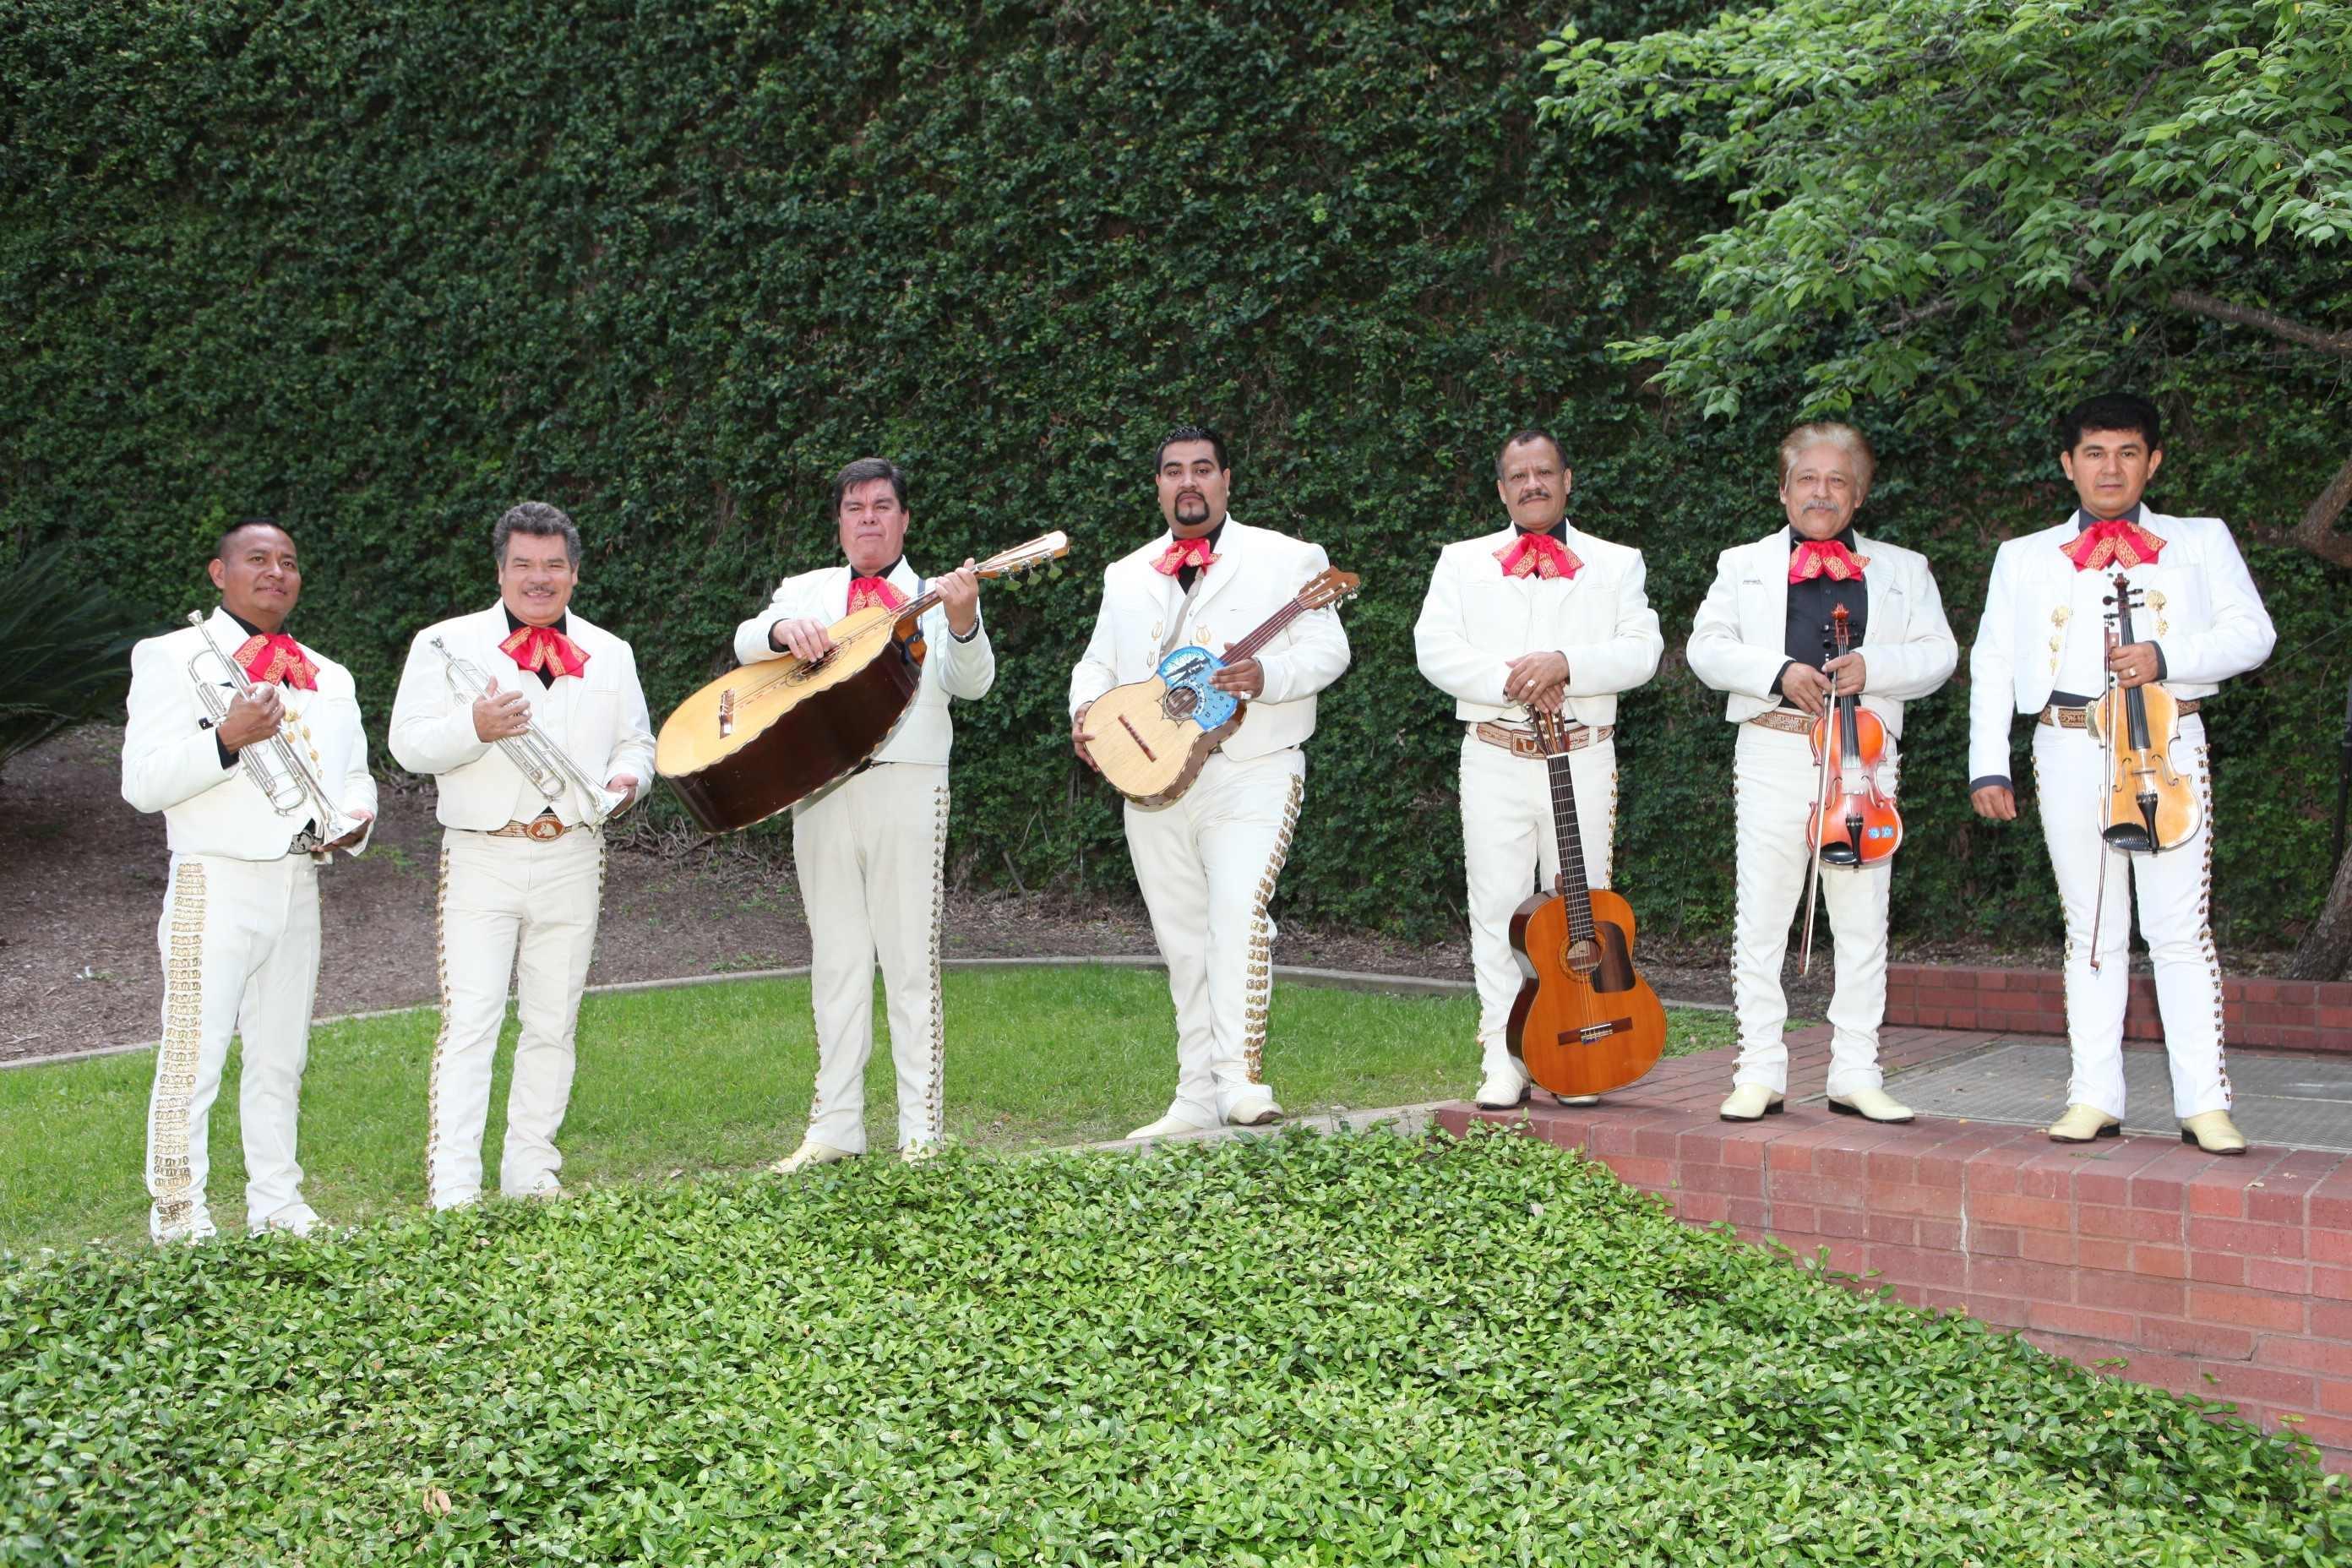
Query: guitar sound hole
[[1580, 957], [1180, 703]]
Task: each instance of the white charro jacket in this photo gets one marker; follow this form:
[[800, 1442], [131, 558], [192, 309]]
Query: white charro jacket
[[171, 761], [597, 718], [1257, 572], [951, 668], [2210, 625], [1474, 620], [1738, 642]]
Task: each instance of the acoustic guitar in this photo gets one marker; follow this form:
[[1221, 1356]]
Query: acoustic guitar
[[1584, 1022], [1151, 736], [761, 737]]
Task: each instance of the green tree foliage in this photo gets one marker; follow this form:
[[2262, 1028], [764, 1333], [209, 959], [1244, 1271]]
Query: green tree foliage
[[1934, 202], [384, 270]]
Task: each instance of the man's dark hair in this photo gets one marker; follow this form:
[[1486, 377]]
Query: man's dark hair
[[1190, 433], [2111, 411], [220, 545], [1532, 433], [539, 520], [864, 470]]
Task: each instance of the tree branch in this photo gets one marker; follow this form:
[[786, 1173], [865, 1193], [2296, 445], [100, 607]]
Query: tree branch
[[2269, 321], [2317, 532]]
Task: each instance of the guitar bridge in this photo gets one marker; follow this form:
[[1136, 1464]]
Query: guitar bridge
[[1591, 1032], [1149, 755], [726, 714]]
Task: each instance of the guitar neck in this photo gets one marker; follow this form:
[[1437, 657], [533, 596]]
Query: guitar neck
[[1575, 891], [1249, 646]]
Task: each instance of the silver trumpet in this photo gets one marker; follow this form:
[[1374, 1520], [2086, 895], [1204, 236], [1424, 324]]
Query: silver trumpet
[[542, 762], [280, 766]]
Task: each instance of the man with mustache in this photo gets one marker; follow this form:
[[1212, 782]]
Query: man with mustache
[[522, 870], [2043, 647], [869, 850], [240, 929], [1758, 638], [1538, 618], [1207, 863]]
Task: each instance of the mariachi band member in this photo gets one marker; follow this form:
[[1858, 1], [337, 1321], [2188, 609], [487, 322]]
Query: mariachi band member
[[869, 849], [1207, 863], [250, 744], [2043, 647], [1542, 618], [534, 728], [1758, 638]]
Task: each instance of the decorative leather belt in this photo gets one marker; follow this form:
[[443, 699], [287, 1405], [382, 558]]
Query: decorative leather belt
[[545, 829], [1784, 718], [2080, 718], [1524, 742]]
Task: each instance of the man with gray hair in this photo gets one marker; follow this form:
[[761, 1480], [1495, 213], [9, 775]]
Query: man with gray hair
[[534, 728], [1758, 640], [869, 850]]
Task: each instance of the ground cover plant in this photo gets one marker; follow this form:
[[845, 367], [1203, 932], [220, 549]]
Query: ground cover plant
[[718, 1077], [1361, 1348]]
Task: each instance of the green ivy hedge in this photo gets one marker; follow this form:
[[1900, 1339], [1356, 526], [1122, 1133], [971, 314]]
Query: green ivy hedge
[[384, 269]]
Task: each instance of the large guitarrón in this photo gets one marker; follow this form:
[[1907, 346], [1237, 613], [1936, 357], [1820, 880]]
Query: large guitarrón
[[761, 737], [1149, 737]]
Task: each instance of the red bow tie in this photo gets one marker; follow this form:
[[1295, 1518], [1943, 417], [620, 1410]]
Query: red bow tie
[[864, 591], [1813, 557], [274, 655], [2105, 542], [1185, 552], [1538, 555], [537, 650]]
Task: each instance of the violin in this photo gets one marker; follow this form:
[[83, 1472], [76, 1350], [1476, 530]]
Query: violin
[[1855, 822], [2148, 806]]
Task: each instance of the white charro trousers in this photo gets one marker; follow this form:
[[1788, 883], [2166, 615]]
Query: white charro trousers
[[870, 852], [2172, 890], [1207, 865], [525, 908], [240, 945], [1510, 850], [1776, 783]]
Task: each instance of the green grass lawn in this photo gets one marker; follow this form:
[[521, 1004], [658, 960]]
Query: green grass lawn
[[718, 1077], [1347, 1350]]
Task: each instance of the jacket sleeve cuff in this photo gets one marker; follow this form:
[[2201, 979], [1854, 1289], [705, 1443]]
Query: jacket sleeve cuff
[[1990, 779], [1786, 666], [2160, 659]]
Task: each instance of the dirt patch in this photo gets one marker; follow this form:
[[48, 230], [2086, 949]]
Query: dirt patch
[[82, 888]]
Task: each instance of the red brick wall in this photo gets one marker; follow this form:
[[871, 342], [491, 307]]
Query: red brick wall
[[2219, 1279], [2289, 1014]]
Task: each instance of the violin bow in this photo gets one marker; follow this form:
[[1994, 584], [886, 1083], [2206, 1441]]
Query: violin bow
[[1821, 809], [2107, 774]]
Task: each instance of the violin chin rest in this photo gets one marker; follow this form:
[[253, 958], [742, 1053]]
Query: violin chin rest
[[1839, 855], [2129, 838]]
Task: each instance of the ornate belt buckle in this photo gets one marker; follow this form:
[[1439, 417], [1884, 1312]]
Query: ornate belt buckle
[[546, 829]]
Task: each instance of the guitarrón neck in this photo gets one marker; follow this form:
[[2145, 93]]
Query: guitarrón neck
[[1574, 891], [1249, 647]]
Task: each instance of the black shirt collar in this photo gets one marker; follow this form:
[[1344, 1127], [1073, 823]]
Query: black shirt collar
[[1208, 539], [250, 629], [2083, 517], [516, 623], [884, 573], [1557, 531], [1843, 536]]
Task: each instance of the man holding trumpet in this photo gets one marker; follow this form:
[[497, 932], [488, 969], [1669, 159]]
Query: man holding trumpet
[[534, 727], [249, 743]]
